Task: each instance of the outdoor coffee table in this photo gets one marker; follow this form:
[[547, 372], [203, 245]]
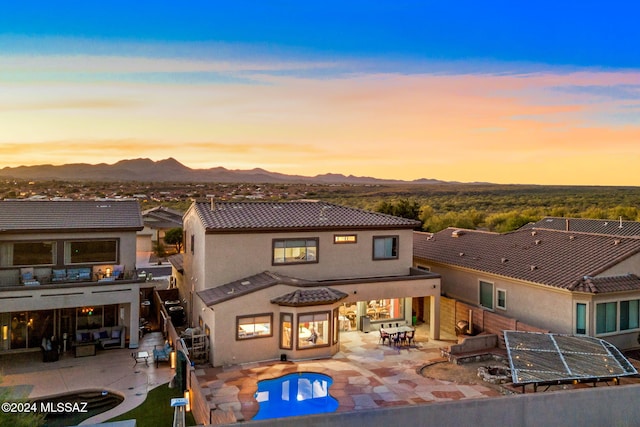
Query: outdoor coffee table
[[140, 356]]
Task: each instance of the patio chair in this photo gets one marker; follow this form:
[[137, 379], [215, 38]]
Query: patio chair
[[410, 337], [384, 337], [162, 354]]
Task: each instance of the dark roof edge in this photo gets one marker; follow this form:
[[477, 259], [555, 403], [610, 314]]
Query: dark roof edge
[[257, 230]]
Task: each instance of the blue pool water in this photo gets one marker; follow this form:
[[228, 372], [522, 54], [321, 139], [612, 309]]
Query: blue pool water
[[302, 393]]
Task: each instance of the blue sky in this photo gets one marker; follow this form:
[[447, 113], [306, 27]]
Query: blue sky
[[585, 33], [306, 79]]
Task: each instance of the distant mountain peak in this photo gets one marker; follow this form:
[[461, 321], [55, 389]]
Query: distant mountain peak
[[170, 169]]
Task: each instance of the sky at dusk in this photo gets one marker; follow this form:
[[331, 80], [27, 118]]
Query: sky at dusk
[[543, 92]]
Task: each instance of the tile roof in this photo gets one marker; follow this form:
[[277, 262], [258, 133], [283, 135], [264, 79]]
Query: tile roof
[[162, 217], [246, 286], [549, 257], [598, 285], [76, 215], [583, 225], [257, 216], [307, 297], [266, 279]]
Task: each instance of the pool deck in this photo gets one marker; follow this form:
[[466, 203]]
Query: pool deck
[[366, 375], [113, 370]]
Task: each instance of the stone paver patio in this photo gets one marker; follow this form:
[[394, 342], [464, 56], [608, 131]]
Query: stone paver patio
[[365, 375]]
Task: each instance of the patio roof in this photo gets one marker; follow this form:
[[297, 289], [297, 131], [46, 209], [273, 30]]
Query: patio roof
[[543, 358]]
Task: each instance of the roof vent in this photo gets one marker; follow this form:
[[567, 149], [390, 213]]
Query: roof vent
[[616, 242], [503, 260], [461, 254], [620, 226], [572, 237], [213, 204], [533, 233], [245, 283], [538, 242], [606, 223], [457, 233], [233, 290], [533, 267]]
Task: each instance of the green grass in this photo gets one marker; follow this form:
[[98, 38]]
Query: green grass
[[155, 410]]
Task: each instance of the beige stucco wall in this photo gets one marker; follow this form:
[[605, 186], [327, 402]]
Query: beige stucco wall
[[541, 306], [127, 245], [227, 351], [630, 265], [241, 255]]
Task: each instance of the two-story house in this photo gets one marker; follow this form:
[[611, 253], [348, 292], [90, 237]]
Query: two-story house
[[67, 266], [568, 276], [271, 280]]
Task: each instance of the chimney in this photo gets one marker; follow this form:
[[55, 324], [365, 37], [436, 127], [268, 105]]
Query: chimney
[[567, 226], [620, 226]]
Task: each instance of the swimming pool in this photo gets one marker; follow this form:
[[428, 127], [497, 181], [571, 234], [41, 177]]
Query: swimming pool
[[301, 393]]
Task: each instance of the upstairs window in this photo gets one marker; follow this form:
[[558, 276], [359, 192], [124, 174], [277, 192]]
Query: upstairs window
[[295, 251], [345, 238], [27, 254], [91, 251], [385, 247]]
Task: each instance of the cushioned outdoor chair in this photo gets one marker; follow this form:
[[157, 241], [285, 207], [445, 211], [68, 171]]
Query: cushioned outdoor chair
[[162, 354]]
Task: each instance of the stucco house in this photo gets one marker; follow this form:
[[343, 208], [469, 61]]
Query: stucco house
[[66, 267], [274, 280], [157, 221], [568, 276]]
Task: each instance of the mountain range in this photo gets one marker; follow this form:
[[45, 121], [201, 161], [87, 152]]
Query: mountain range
[[147, 170]]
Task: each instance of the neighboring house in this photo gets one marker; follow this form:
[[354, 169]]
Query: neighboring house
[[67, 266], [283, 280], [566, 276], [157, 221]]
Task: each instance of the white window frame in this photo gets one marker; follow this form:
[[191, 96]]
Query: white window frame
[[575, 315], [501, 307]]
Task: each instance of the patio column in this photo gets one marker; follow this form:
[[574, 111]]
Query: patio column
[[434, 317]]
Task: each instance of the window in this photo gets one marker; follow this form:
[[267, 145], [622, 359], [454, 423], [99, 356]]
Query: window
[[313, 330], [192, 243], [295, 251], [501, 299], [581, 318], [629, 315], [91, 251], [385, 247], [257, 326], [27, 254], [386, 309], [286, 331], [486, 295], [345, 238], [606, 314]]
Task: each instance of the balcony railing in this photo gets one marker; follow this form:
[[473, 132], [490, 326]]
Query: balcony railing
[[43, 276]]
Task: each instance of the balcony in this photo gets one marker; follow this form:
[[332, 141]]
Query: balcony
[[47, 276]]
